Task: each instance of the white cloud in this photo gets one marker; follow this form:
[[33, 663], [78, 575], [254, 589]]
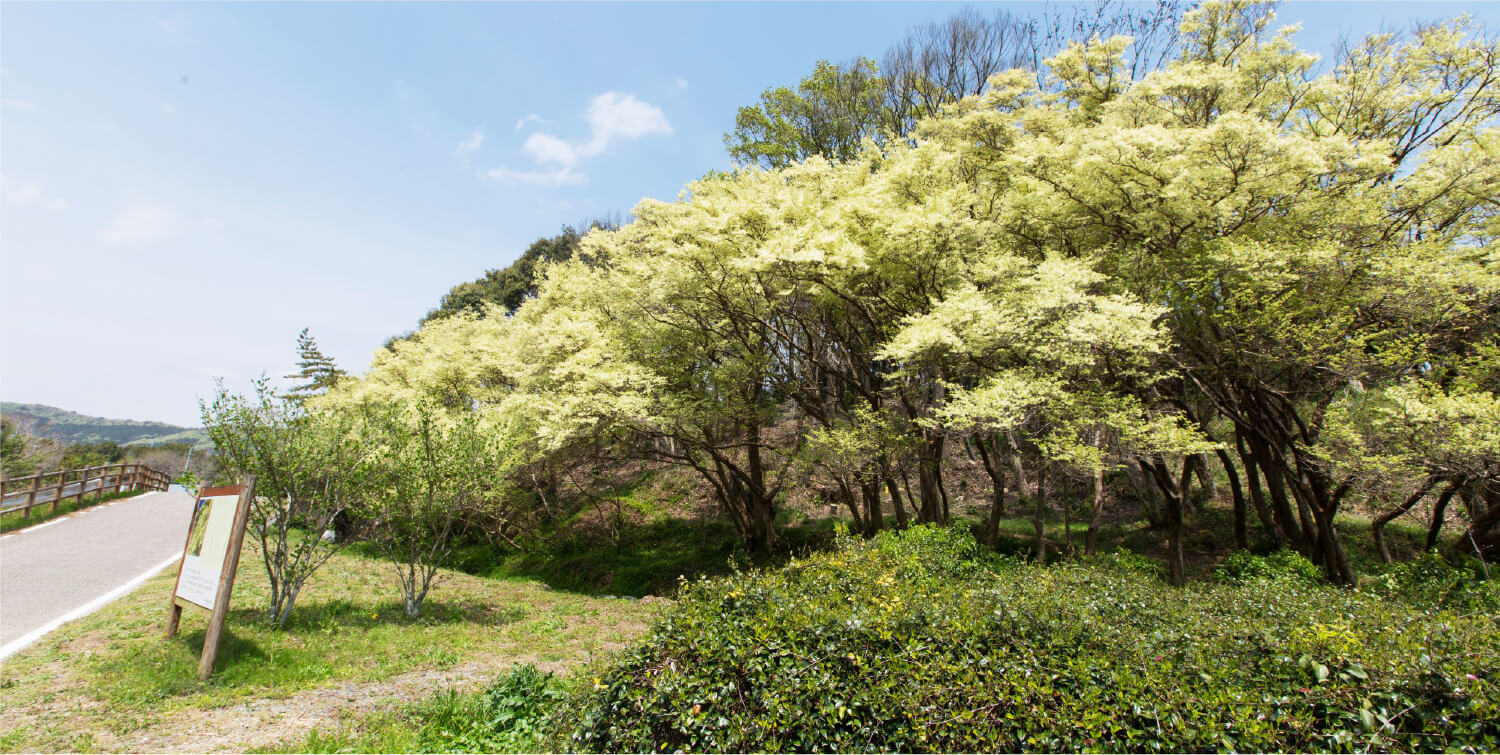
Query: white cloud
[[29, 195], [470, 144], [143, 222], [612, 118], [25, 106], [563, 176], [681, 83], [546, 148]]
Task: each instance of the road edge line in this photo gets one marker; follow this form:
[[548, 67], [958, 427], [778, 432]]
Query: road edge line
[[25, 640]]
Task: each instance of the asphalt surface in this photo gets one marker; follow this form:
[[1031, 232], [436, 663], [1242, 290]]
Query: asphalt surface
[[44, 495], [68, 563]]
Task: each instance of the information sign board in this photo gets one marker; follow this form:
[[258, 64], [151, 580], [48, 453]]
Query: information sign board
[[205, 577]]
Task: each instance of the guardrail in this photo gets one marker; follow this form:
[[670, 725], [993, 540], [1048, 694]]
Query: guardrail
[[25, 493]]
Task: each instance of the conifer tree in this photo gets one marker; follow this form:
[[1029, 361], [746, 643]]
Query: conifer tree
[[316, 372]]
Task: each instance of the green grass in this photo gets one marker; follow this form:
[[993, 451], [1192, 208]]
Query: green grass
[[14, 519], [109, 681]]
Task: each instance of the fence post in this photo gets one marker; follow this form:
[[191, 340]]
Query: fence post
[[31, 494], [62, 482]]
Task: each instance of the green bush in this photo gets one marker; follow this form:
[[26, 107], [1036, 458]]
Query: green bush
[[1129, 562], [915, 641], [509, 716], [1432, 580], [1286, 565]]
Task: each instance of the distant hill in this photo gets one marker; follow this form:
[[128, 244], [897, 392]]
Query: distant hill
[[72, 427]]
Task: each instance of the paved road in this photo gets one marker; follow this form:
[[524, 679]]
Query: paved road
[[59, 567]]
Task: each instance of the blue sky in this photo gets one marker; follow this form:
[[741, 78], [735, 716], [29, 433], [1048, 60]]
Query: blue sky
[[186, 186]]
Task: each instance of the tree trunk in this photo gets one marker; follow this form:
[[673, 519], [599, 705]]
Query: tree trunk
[[1258, 496], [1206, 477], [890, 485], [846, 494], [997, 489], [1067, 509], [1039, 518], [1146, 489], [763, 508], [1482, 538], [1281, 507], [1439, 513], [929, 469], [1241, 515], [1091, 539], [1377, 528], [1171, 493], [1013, 450], [874, 516]]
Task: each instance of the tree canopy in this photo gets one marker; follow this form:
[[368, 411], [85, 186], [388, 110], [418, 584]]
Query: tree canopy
[[1086, 269]]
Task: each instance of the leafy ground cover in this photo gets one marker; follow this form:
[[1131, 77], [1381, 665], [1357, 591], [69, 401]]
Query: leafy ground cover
[[11, 521], [110, 682], [916, 641]]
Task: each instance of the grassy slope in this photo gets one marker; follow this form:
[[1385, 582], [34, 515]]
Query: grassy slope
[[110, 682]]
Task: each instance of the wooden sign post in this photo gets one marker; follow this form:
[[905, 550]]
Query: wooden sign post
[[205, 577]]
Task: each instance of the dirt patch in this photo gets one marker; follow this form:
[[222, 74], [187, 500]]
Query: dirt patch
[[267, 723]]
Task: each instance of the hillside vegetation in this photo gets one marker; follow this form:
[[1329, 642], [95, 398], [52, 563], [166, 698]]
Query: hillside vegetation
[[919, 642], [1108, 290], [1229, 305], [72, 427]]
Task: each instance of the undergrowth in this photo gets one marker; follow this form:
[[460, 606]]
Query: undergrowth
[[920, 641]]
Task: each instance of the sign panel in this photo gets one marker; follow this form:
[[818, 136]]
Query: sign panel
[[205, 578], [208, 543]]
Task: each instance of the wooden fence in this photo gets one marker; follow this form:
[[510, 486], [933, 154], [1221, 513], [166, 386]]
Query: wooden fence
[[25, 493]]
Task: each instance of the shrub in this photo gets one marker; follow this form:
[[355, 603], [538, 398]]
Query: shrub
[[1284, 565], [914, 641], [1432, 580], [509, 716]]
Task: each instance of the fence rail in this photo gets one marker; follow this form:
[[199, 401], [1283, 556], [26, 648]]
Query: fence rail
[[25, 493]]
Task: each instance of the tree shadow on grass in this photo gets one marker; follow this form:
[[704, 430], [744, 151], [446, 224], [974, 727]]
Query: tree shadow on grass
[[647, 559], [346, 614]]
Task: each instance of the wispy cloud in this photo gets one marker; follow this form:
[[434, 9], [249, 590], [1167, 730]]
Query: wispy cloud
[[564, 176], [143, 222], [546, 148], [25, 195], [682, 83], [612, 117], [24, 106], [470, 144]]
